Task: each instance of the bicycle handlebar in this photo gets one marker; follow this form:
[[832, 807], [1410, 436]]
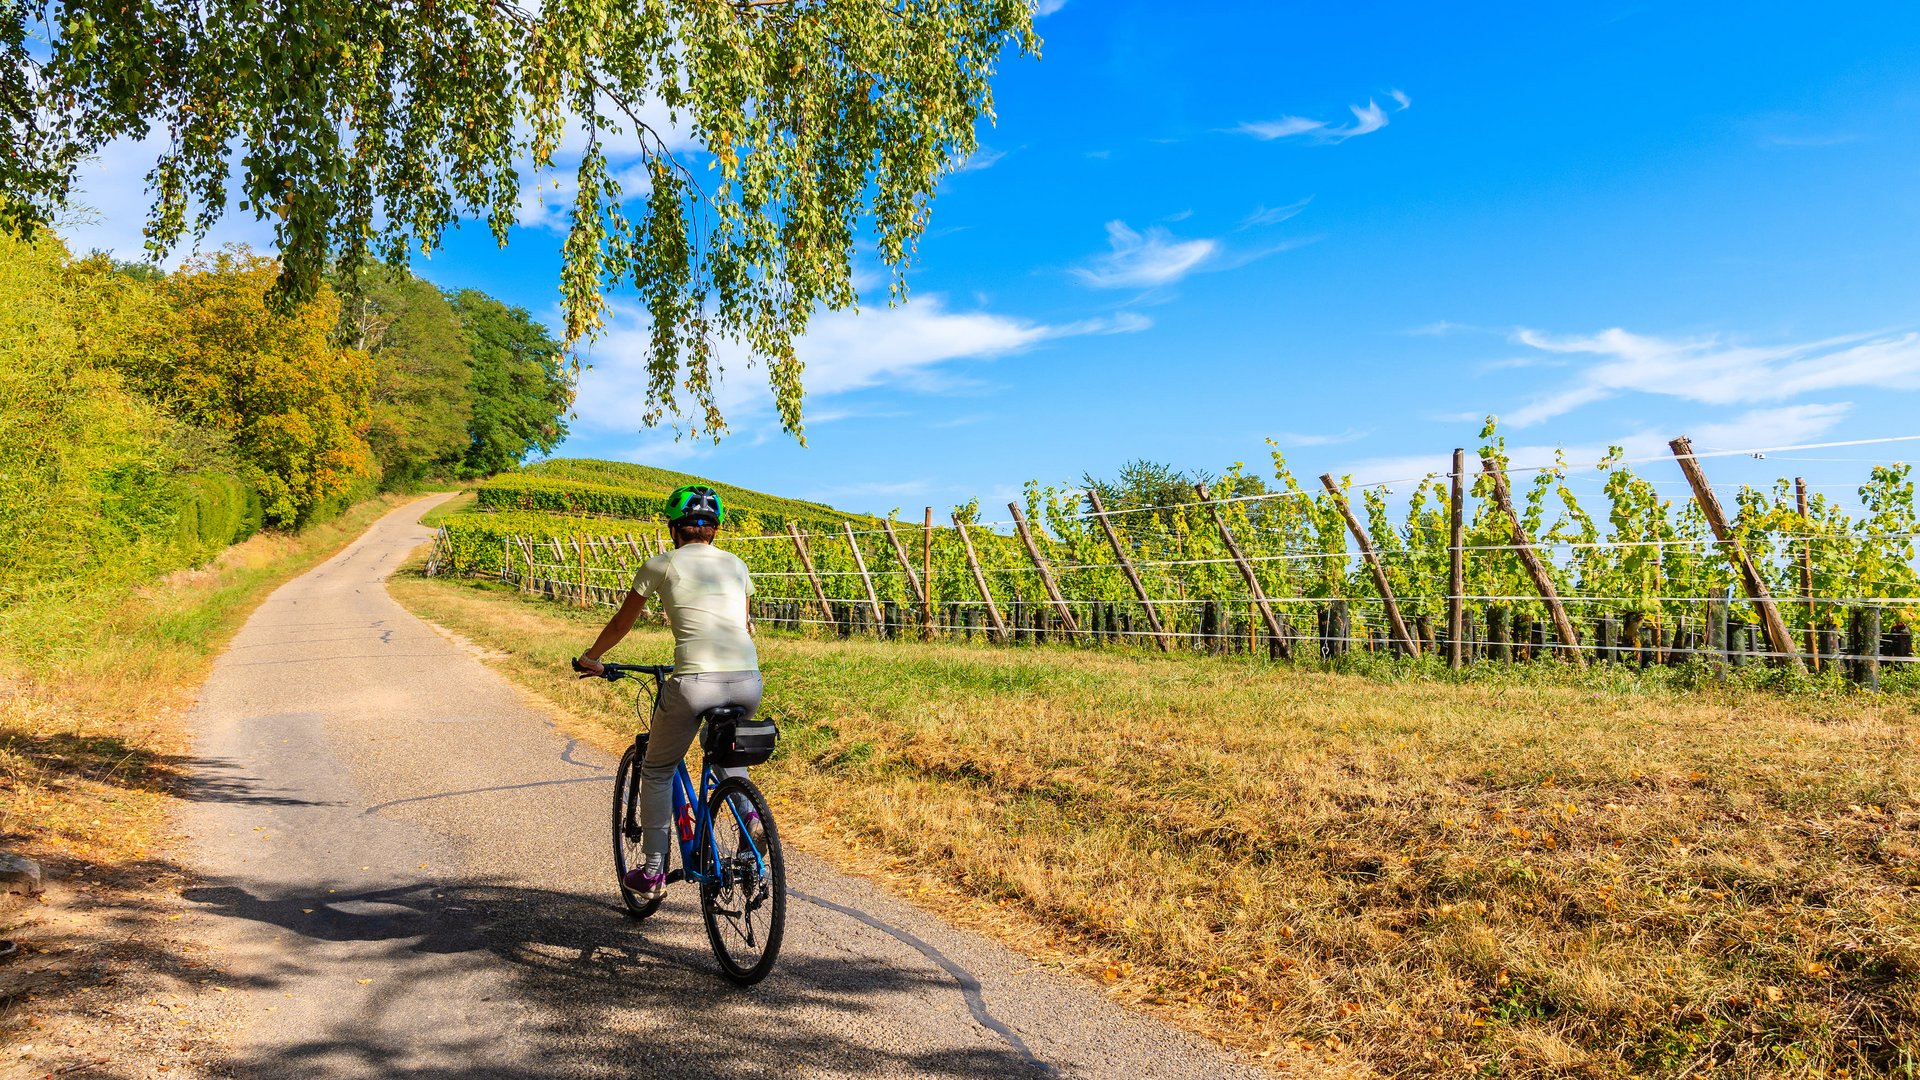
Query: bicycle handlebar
[[613, 672]]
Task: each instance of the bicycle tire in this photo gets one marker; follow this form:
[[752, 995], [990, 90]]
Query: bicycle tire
[[732, 933], [627, 845]]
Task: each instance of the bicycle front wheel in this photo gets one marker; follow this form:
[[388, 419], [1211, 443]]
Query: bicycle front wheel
[[745, 904], [627, 852]]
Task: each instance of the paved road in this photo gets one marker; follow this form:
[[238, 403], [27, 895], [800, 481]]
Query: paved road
[[408, 877]]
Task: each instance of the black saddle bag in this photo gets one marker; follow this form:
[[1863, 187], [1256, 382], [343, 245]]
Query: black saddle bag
[[732, 740]]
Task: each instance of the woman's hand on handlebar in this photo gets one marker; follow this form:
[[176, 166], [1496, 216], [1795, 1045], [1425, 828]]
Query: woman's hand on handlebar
[[589, 666]]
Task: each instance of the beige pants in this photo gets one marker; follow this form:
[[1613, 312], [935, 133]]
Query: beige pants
[[676, 719]]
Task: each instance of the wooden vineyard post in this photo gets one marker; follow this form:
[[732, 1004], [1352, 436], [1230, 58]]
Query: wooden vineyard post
[[526, 550], [979, 580], [806, 560], [1046, 573], [1126, 567], [1537, 570], [1866, 646], [580, 550], [1373, 563], [1246, 571], [926, 572], [554, 587], [900, 552], [1457, 562], [595, 557], [1778, 639], [1716, 643], [860, 561], [1806, 572]]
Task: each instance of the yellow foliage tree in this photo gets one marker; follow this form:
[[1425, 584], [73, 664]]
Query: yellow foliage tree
[[295, 405]]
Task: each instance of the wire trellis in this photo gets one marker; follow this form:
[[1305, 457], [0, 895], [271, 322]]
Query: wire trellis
[[1170, 572]]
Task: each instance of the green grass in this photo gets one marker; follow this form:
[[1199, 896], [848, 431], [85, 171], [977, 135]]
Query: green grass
[[438, 516]]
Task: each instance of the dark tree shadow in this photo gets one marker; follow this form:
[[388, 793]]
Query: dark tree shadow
[[578, 970]]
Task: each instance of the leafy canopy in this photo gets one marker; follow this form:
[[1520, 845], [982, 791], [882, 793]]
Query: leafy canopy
[[295, 405], [423, 367], [520, 391], [364, 130]]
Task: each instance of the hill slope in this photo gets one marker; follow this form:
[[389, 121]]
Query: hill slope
[[623, 489]]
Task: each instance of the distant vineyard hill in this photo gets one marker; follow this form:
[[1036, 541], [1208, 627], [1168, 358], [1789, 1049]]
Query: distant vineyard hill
[[621, 490]]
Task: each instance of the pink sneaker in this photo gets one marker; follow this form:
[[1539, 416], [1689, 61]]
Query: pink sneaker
[[648, 884]]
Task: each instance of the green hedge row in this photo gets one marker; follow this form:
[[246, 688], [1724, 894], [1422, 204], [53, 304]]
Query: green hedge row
[[516, 492], [645, 478], [523, 493]]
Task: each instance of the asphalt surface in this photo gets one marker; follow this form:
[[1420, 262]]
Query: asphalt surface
[[408, 875]]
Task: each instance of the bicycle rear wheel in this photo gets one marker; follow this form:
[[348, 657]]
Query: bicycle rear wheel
[[746, 906], [626, 832]]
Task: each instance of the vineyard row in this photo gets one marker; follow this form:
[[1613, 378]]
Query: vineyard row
[[1786, 581]]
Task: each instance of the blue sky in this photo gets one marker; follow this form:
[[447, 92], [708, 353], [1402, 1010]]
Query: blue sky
[[1354, 229]]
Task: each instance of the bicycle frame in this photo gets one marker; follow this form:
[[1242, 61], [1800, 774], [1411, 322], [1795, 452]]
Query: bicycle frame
[[701, 843]]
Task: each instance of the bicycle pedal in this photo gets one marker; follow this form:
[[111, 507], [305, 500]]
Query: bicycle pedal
[[676, 875]]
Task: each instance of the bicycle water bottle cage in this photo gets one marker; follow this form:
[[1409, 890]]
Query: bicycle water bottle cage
[[731, 740]]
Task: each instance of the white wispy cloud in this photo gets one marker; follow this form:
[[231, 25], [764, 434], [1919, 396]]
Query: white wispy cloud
[[1754, 428], [983, 157], [1367, 119], [1439, 328], [1137, 260], [1274, 215], [1042, 8], [1400, 99], [1295, 438], [1711, 371], [844, 351], [867, 490], [1282, 128]]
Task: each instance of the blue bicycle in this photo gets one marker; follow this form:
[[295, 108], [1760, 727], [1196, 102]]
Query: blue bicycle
[[727, 840]]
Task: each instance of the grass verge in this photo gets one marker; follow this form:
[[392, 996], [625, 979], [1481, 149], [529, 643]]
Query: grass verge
[[1386, 879], [438, 516]]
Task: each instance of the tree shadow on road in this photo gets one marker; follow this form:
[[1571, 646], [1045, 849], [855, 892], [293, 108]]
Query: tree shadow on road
[[589, 991]]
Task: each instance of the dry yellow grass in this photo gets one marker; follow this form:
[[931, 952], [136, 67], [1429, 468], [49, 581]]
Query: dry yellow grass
[[1381, 878]]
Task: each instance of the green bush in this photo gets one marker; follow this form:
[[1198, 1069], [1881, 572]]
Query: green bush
[[86, 466], [216, 509]]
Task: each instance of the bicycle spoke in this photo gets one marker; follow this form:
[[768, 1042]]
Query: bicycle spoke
[[744, 905]]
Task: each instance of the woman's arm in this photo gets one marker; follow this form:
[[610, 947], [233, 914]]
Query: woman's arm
[[616, 628]]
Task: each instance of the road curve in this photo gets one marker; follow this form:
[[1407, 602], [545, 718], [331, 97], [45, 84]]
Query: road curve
[[406, 874]]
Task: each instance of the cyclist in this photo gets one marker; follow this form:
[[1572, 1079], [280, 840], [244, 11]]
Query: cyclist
[[704, 593]]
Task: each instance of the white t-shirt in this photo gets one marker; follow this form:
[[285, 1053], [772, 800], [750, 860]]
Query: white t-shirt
[[703, 591]]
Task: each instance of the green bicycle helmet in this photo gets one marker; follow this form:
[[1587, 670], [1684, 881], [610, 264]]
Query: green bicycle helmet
[[695, 503]]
